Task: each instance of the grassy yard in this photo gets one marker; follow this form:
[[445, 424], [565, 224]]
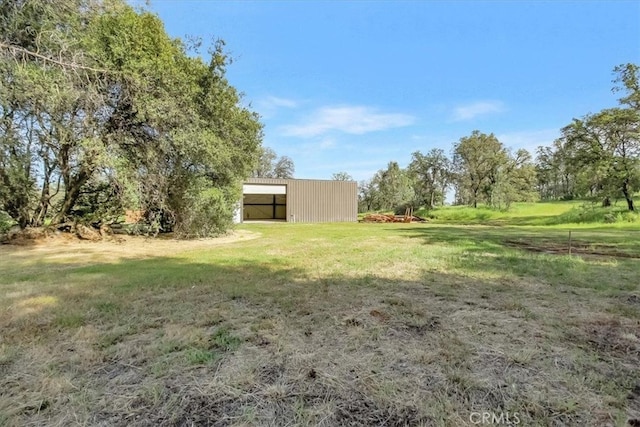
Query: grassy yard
[[578, 213], [333, 324]]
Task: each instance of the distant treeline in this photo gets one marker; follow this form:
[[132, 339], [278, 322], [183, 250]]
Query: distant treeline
[[597, 156]]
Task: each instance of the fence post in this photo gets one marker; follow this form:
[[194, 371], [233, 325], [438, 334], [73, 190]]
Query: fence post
[[569, 242]]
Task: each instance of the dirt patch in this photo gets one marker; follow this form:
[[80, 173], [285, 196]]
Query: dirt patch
[[632, 299], [322, 405], [207, 411], [269, 374], [633, 405], [381, 316], [360, 411], [70, 248], [421, 329], [612, 337], [577, 248]]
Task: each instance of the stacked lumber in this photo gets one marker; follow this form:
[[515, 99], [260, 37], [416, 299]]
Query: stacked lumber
[[392, 218], [379, 218]]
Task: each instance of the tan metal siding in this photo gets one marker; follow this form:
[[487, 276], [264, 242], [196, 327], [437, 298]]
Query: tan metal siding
[[317, 200]]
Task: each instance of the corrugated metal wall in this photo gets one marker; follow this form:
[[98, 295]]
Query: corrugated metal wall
[[310, 200]]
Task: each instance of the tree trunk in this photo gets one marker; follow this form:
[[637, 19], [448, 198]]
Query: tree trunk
[[71, 196], [627, 195], [41, 212], [24, 218]]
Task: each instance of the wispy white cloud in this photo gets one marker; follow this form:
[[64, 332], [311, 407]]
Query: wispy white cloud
[[312, 148], [327, 143], [274, 101], [475, 109], [269, 106], [530, 139], [354, 120]]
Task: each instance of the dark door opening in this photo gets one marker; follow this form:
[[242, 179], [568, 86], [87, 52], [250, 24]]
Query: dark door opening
[[264, 207]]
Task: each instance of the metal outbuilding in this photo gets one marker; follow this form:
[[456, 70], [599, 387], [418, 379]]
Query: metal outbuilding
[[299, 200]]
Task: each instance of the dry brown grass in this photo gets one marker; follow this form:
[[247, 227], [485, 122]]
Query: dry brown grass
[[67, 248], [291, 329]]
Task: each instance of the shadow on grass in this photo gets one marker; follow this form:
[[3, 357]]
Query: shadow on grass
[[424, 347], [543, 256]]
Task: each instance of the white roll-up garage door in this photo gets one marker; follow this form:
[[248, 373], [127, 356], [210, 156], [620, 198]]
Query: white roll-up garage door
[[264, 189]]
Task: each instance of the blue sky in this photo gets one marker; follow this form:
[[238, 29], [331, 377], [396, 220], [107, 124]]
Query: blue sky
[[351, 85]]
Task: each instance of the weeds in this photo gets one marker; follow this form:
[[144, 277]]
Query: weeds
[[225, 341], [197, 356]]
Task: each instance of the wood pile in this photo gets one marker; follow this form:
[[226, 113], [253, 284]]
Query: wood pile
[[392, 218], [379, 218]]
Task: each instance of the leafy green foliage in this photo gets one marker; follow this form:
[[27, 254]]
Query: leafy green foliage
[[387, 190], [134, 121], [477, 160], [628, 82], [394, 186], [599, 154], [607, 145], [206, 210], [596, 156], [515, 181], [269, 165], [5, 222], [558, 177], [485, 171], [431, 175], [482, 171]]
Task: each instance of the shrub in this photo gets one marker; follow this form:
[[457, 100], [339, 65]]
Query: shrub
[[6, 222], [205, 210]]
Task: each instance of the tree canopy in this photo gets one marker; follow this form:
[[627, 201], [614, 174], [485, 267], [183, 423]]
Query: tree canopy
[[101, 111], [341, 176], [269, 165], [432, 176], [597, 155]]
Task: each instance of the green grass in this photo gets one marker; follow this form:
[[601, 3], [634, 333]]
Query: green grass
[[198, 356], [576, 213], [225, 340], [330, 324]]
